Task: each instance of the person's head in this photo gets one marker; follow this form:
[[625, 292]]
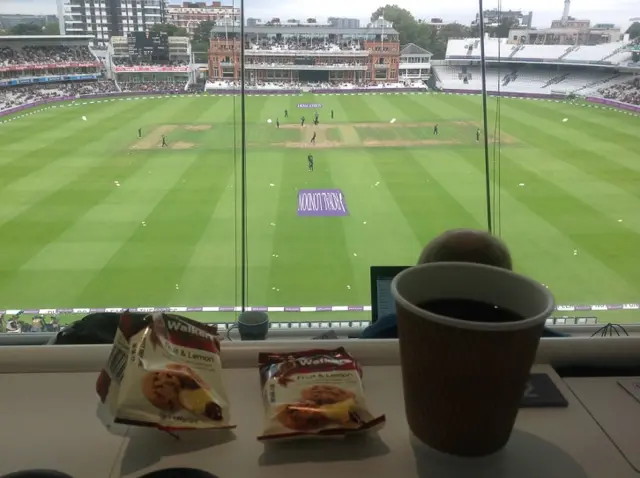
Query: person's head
[[467, 245]]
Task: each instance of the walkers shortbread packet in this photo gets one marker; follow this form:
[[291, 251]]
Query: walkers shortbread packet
[[313, 393], [164, 371]]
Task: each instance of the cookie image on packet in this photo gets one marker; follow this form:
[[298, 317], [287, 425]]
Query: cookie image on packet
[[313, 393], [162, 390], [164, 371], [180, 388]]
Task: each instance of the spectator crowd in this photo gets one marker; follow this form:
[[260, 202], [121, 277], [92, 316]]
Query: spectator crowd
[[152, 86], [308, 44], [13, 96], [626, 92], [21, 324], [330, 62], [293, 85], [126, 61], [196, 87], [44, 55]]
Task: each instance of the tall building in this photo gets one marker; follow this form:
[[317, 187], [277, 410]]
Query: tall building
[[339, 22], [107, 18], [437, 23], [8, 20], [190, 14], [494, 17]]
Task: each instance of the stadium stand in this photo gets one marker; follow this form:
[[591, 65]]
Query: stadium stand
[[169, 69], [48, 67], [298, 44], [151, 86], [19, 95], [197, 87], [628, 92], [592, 53], [498, 48], [529, 79], [307, 54], [118, 61], [282, 85], [44, 55], [537, 69], [548, 52]]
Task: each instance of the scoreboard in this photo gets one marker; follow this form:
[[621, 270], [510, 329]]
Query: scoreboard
[[149, 44]]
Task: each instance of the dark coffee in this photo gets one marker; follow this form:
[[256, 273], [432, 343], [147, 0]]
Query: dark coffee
[[472, 310]]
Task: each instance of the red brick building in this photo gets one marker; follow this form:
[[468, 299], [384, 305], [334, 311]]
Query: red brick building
[[307, 53], [190, 14]]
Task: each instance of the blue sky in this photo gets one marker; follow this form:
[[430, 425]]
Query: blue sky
[[616, 11]]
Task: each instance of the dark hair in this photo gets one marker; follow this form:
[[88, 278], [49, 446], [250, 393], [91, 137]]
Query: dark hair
[[467, 245]]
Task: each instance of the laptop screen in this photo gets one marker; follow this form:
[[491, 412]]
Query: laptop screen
[[382, 302]]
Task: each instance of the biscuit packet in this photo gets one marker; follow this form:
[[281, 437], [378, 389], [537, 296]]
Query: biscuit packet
[[313, 393], [164, 371]]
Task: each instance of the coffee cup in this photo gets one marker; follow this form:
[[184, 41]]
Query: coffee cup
[[252, 325], [468, 338]]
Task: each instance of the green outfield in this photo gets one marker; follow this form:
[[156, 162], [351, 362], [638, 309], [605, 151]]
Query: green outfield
[[93, 216]]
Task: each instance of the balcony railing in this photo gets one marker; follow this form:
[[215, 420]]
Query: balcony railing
[[415, 65], [321, 53], [306, 67]]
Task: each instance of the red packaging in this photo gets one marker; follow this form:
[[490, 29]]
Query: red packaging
[[313, 393], [164, 371]]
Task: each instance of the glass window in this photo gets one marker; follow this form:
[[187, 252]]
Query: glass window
[[382, 184], [279, 182], [567, 214]]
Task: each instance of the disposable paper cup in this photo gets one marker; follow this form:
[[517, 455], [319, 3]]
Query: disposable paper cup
[[464, 380]]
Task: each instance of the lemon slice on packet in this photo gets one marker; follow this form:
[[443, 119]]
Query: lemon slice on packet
[[338, 412]]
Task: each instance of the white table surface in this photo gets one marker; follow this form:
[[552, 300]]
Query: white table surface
[[49, 421], [614, 409]]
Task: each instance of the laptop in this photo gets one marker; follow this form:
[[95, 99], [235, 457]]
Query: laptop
[[382, 302]]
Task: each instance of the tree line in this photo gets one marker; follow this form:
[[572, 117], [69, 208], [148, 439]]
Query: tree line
[[411, 30], [32, 29], [434, 37]]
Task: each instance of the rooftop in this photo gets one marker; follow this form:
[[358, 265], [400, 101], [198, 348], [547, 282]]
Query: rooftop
[[413, 49], [47, 37]]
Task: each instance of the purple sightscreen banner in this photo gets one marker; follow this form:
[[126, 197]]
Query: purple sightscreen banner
[[321, 202], [590, 99], [614, 103], [502, 93]]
